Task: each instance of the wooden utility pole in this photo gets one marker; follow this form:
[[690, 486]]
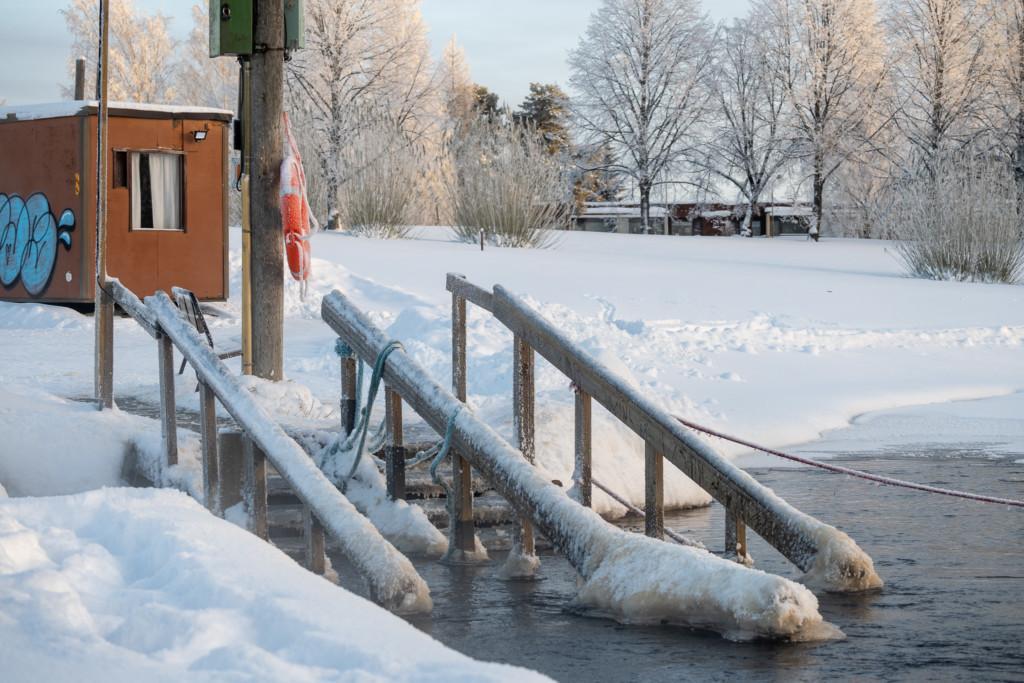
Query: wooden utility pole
[[264, 213], [103, 312]]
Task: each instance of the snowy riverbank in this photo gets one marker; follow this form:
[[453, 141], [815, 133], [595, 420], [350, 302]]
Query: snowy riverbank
[[776, 340]]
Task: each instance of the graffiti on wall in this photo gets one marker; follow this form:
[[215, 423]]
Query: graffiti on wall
[[29, 234]]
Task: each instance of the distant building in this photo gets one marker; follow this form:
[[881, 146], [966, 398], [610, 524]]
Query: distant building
[[694, 218], [167, 200]]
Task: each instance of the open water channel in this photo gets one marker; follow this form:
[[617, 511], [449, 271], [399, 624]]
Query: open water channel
[[952, 607]]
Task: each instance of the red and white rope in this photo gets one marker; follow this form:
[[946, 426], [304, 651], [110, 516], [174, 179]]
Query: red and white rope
[[887, 481]]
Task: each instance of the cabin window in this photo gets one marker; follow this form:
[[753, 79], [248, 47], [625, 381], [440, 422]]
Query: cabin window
[[120, 171], [156, 191]]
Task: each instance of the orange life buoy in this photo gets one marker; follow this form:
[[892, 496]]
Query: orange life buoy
[[295, 216]]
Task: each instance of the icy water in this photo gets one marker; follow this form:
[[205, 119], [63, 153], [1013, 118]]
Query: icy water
[[952, 607]]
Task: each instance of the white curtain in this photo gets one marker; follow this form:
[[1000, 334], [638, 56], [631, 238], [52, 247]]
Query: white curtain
[[165, 190], [165, 179]]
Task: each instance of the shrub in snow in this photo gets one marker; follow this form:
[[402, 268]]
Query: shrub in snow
[[384, 176], [956, 217], [504, 184]]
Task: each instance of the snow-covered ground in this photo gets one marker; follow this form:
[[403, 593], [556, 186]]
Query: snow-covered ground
[[781, 341], [777, 340], [146, 585]]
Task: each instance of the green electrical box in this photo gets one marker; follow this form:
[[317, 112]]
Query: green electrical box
[[231, 26], [294, 25]]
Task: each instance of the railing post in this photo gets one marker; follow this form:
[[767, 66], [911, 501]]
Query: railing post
[[168, 419], [654, 492], [349, 399], [581, 475], [523, 421], [736, 539], [394, 449], [208, 434], [316, 546], [230, 467], [462, 534], [254, 491]]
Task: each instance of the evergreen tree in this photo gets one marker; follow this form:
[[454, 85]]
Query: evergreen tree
[[546, 109]]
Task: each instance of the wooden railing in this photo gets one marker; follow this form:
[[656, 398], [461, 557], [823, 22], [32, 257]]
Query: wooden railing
[[392, 579], [834, 560]]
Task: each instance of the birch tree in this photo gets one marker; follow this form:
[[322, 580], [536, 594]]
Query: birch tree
[[1006, 39], [142, 53], [365, 59], [829, 57], [941, 71], [202, 80], [639, 79], [747, 143]]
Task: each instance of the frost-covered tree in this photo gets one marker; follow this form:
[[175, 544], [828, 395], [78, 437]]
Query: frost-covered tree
[[747, 141], [142, 53], [202, 80], [457, 87], [828, 54], [364, 59], [941, 71], [1005, 37], [638, 75]]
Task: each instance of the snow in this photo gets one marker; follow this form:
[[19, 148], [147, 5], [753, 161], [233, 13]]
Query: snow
[[54, 110], [777, 340], [131, 585], [54, 446]]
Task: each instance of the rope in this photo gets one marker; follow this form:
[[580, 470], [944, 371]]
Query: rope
[[442, 453], [677, 537], [363, 426], [887, 481]]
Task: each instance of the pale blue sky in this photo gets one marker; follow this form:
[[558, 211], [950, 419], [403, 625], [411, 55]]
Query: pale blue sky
[[508, 43]]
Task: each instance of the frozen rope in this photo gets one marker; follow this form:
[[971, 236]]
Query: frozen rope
[[442, 453], [363, 426], [677, 537], [887, 481]]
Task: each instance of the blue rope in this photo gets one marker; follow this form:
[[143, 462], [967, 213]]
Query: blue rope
[[363, 426], [443, 453]]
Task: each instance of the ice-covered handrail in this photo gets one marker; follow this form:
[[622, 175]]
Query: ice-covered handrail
[[133, 306], [633, 577], [393, 581], [831, 559]]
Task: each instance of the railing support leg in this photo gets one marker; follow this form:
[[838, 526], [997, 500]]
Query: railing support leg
[[394, 449], [462, 530], [736, 539], [581, 475], [104, 370], [230, 467], [316, 546], [654, 492], [168, 419], [348, 388], [254, 491], [208, 434], [523, 398]]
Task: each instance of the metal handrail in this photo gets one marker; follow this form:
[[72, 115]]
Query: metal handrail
[[392, 579], [835, 560]]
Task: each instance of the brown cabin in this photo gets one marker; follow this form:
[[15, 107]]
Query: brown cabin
[[167, 200]]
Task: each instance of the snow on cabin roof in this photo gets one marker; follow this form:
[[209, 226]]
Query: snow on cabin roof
[[56, 110], [716, 214], [788, 210]]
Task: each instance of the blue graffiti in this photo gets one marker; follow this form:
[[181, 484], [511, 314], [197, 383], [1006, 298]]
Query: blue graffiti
[[29, 234]]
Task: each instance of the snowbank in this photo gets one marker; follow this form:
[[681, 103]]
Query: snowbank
[[53, 446], [775, 340], [126, 584]]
